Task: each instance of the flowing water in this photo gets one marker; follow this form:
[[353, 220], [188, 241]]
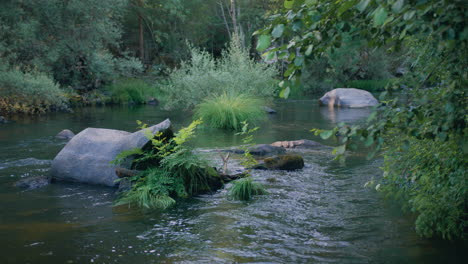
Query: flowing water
[[321, 214]]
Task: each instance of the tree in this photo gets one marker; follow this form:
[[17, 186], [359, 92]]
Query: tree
[[75, 41], [434, 119]]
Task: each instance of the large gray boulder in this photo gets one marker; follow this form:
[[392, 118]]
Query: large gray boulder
[[348, 97], [86, 157]]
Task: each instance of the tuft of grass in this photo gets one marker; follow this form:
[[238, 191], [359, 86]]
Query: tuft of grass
[[228, 111], [244, 189], [131, 91]]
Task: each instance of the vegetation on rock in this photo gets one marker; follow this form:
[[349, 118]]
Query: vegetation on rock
[[170, 171]]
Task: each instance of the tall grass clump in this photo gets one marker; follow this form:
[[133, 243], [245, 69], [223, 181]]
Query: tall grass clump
[[244, 189], [206, 77], [29, 93], [228, 111], [131, 91]]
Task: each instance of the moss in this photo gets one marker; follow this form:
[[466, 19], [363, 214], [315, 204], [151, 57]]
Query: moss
[[285, 162]]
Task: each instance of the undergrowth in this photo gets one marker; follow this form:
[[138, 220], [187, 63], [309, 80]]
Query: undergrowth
[[29, 93], [131, 91]]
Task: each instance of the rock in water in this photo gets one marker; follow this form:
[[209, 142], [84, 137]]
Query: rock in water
[[269, 110], [265, 149], [299, 144], [3, 120], [86, 157], [32, 183], [348, 97], [65, 134], [287, 162]]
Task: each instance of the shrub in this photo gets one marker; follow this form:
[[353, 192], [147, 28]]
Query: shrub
[[369, 85], [29, 93], [131, 91], [429, 178], [244, 189], [228, 111], [204, 77]]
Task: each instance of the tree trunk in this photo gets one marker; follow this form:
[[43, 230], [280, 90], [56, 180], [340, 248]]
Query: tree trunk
[[234, 17], [141, 35]]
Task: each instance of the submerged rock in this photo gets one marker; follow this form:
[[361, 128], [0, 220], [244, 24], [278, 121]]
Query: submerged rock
[[287, 162], [86, 157], [32, 183], [65, 134], [265, 149], [259, 150], [348, 97], [269, 110], [153, 101], [300, 144]]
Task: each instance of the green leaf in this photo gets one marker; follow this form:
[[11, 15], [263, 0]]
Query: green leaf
[[398, 5], [362, 5], [310, 2], [278, 31], [372, 116], [288, 4], [285, 93], [340, 150], [380, 16], [291, 69], [309, 50], [369, 141], [264, 42], [326, 134], [297, 25], [299, 61], [345, 7], [408, 15], [270, 56]]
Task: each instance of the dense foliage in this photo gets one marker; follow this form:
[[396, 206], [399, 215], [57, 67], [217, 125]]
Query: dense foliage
[[354, 62], [205, 77], [70, 40], [28, 93], [435, 113]]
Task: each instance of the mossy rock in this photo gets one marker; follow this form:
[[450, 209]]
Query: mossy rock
[[282, 162]]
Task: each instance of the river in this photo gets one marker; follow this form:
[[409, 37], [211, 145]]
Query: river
[[321, 214]]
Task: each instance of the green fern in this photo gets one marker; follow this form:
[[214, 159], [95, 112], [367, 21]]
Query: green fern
[[176, 172]]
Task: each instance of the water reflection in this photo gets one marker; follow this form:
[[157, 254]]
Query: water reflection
[[336, 115]]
